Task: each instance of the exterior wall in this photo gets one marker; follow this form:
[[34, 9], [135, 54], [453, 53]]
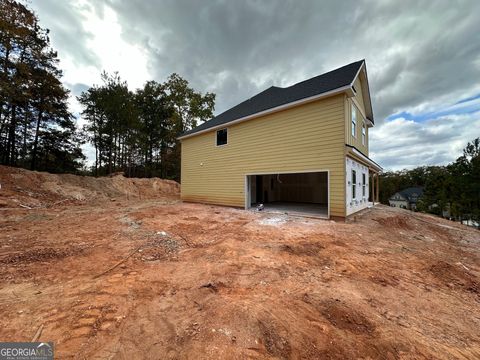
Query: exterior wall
[[309, 137], [399, 203], [358, 202], [397, 200], [356, 101]]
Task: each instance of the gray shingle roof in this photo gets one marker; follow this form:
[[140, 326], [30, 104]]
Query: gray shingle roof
[[276, 96], [412, 194]]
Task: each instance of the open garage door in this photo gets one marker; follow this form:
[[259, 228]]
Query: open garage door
[[302, 193]]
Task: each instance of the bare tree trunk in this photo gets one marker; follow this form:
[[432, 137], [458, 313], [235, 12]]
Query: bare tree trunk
[[162, 159], [150, 157], [100, 159], [35, 142], [110, 156], [4, 120], [115, 152], [96, 151], [25, 129], [3, 131], [11, 148], [5, 67]]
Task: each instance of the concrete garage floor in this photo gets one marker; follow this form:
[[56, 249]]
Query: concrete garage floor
[[292, 208]]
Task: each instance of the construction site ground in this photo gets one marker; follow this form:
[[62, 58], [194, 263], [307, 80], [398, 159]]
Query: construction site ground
[[118, 268]]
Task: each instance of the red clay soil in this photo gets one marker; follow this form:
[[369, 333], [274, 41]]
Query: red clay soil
[[155, 278]]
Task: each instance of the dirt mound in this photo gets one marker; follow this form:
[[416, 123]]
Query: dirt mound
[[455, 276], [394, 222], [31, 189], [275, 344], [303, 249], [345, 318], [341, 316]]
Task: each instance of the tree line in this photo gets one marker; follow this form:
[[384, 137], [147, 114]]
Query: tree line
[[37, 131], [134, 132], [454, 188]]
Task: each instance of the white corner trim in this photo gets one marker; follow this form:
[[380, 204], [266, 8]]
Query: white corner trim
[[272, 110]]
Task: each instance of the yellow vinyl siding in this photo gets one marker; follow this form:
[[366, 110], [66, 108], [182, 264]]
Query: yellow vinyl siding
[[304, 138], [357, 101]]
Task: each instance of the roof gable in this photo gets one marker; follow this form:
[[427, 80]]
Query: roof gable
[[412, 193], [274, 97]]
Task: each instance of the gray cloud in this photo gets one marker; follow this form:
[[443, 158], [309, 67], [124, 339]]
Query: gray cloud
[[415, 51], [67, 29], [237, 48], [421, 55], [77, 88], [401, 143]]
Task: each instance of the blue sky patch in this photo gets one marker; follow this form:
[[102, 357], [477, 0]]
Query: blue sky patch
[[464, 106]]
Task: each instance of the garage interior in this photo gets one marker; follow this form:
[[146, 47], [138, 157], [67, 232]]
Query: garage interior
[[298, 193]]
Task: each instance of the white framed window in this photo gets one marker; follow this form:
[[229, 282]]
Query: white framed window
[[364, 183], [354, 121], [364, 134], [222, 137], [354, 184]]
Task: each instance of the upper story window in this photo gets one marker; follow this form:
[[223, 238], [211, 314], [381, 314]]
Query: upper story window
[[364, 134], [354, 121], [222, 137]]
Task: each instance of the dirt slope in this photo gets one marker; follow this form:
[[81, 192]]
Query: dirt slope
[[39, 189], [161, 279]]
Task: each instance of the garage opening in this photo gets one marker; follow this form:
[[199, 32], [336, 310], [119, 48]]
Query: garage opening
[[297, 193]]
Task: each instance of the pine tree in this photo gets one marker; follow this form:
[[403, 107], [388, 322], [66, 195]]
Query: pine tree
[[33, 101], [137, 132]]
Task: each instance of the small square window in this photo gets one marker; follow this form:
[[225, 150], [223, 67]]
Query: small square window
[[222, 137]]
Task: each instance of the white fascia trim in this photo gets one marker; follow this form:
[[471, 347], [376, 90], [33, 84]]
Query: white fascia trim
[[272, 110], [370, 122], [367, 160], [356, 75]]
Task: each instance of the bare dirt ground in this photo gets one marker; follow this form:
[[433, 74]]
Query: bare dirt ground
[[146, 276]]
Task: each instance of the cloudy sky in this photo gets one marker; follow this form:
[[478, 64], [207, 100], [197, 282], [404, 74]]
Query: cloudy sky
[[423, 57]]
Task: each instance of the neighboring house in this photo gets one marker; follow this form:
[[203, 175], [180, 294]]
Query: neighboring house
[[407, 198], [302, 148]]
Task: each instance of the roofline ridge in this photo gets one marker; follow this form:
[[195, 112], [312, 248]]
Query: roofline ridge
[[325, 73]]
